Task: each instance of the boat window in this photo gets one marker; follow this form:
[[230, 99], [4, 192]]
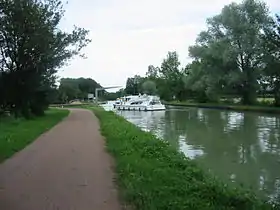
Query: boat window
[[136, 102], [154, 102]]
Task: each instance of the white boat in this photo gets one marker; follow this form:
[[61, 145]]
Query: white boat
[[139, 103], [109, 106]]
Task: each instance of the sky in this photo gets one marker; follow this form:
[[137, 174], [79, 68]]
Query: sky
[[129, 35]]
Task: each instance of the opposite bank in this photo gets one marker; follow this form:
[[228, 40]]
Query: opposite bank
[[262, 109]]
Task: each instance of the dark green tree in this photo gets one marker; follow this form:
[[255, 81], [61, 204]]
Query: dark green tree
[[133, 85], [149, 87], [153, 72], [172, 85], [32, 49], [70, 88], [229, 52], [271, 59]]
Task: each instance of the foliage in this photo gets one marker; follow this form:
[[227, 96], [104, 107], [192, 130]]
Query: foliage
[[237, 55], [153, 72], [228, 54], [70, 89], [149, 87], [115, 95], [15, 134], [133, 85], [166, 81], [170, 72], [271, 58], [32, 49], [153, 175]]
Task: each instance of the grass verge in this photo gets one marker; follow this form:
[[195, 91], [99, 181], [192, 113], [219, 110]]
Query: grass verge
[[15, 134], [152, 175], [264, 109]]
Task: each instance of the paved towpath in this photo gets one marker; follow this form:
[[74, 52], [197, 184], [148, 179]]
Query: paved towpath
[[66, 168]]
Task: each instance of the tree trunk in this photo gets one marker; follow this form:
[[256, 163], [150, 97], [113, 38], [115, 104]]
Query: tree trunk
[[249, 95], [277, 97], [249, 91]]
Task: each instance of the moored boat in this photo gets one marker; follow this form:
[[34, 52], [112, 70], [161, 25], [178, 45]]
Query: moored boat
[[139, 103]]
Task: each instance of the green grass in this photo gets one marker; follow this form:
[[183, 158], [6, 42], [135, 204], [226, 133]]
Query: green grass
[[15, 134], [152, 175]]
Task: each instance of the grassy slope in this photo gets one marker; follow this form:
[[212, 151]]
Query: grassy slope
[[16, 134], [153, 176]]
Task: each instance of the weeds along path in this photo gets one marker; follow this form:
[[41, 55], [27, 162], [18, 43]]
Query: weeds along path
[[65, 168]]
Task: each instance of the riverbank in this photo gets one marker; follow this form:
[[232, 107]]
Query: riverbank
[[264, 109], [70, 105], [15, 134], [153, 175]]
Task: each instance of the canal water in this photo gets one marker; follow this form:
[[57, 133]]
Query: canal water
[[241, 148]]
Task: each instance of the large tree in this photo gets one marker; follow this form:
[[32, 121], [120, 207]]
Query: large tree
[[171, 83], [149, 87], [232, 46], [152, 72], [271, 59], [32, 49], [210, 74], [133, 85]]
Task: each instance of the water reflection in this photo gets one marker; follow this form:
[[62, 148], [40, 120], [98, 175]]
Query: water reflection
[[241, 147]]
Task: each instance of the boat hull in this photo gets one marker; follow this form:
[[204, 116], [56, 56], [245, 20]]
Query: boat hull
[[140, 108]]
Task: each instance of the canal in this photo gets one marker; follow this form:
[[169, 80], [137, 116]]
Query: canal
[[242, 148]]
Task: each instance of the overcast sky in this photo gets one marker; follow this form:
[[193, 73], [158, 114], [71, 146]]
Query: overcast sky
[[129, 35]]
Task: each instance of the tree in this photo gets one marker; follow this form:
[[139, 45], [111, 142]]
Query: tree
[[133, 85], [32, 49], [115, 95], [210, 74], [152, 72], [149, 87], [130, 86], [196, 81], [71, 88], [232, 45], [172, 84], [271, 59], [170, 66]]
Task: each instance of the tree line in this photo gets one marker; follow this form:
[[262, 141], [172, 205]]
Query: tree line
[[78, 89], [238, 55], [32, 50], [72, 89]]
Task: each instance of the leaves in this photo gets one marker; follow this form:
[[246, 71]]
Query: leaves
[[32, 50], [149, 87], [229, 52], [70, 89], [238, 55], [271, 59]]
